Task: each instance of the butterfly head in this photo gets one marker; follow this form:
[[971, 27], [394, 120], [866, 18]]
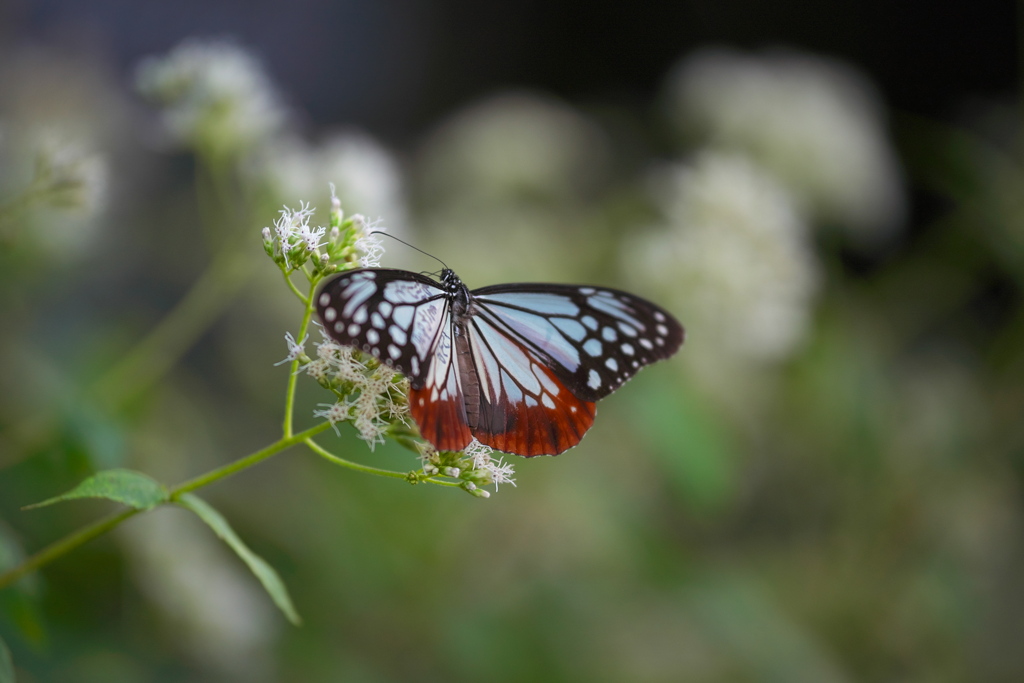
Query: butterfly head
[[456, 290], [450, 280]]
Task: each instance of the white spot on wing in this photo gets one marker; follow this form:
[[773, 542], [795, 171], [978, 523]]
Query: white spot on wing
[[593, 347], [570, 327], [612, 364], [356, 293], [398, 335], [330, 314], [546, 400], [403, 316], [325, 299], [545, 380], [593, 379]]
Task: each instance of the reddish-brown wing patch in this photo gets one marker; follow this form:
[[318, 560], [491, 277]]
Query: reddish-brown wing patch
[[548, 424], [442, 423]]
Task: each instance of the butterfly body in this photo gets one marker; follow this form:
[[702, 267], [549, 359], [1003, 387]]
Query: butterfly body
[[517, 366]]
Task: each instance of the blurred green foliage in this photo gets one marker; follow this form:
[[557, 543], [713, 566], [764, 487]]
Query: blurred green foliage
[[846, 507]]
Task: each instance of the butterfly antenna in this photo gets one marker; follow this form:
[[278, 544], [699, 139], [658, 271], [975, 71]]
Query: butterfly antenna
[[386, 234]]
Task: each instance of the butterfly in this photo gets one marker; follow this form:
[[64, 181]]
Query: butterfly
[[517, 366]]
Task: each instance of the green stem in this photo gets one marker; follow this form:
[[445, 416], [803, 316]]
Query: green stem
[[162, 347], [295, 290], [98, 528], [65, 545], [247, 461], [326, 454], [293, 375]]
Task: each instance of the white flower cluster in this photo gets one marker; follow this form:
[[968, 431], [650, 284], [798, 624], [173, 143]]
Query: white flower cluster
[[478, 468], [481, 456], [293, 241], [735, 257], [216, 94], [376, 396], [814, 123], [369, 244], [295, 238]]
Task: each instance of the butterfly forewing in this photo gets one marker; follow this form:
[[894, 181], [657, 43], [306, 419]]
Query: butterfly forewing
[[592, 338], [394, 315]]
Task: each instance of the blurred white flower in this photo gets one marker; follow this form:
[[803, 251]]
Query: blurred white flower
[[815, 123], [215, 609], [216, 95], [513, 165], [732, 262], [515, 147], [67, 175], [366, 176], [66, 128]]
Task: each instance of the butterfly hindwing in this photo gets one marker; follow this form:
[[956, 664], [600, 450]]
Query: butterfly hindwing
[[439, 405], [592, 338], [524, 407], [394, 315]]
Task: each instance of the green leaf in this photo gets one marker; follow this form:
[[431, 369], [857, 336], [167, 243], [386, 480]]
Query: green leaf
[[123, 486], [6, 665], [263, 571]]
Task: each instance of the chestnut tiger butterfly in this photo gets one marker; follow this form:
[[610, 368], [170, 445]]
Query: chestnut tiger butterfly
[[518, 366]]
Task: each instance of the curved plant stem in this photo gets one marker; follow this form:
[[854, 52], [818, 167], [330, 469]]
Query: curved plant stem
[[166, 343], [331, 457], [295, 290], [247, 461], [100, 527], [293, 376], [64, 546]]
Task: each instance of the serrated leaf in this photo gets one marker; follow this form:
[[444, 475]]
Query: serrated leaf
[[6, 665], [133, 489], [263, 571]]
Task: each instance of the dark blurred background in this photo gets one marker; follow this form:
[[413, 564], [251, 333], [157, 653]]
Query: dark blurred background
[[396, 68], [825, 485]]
